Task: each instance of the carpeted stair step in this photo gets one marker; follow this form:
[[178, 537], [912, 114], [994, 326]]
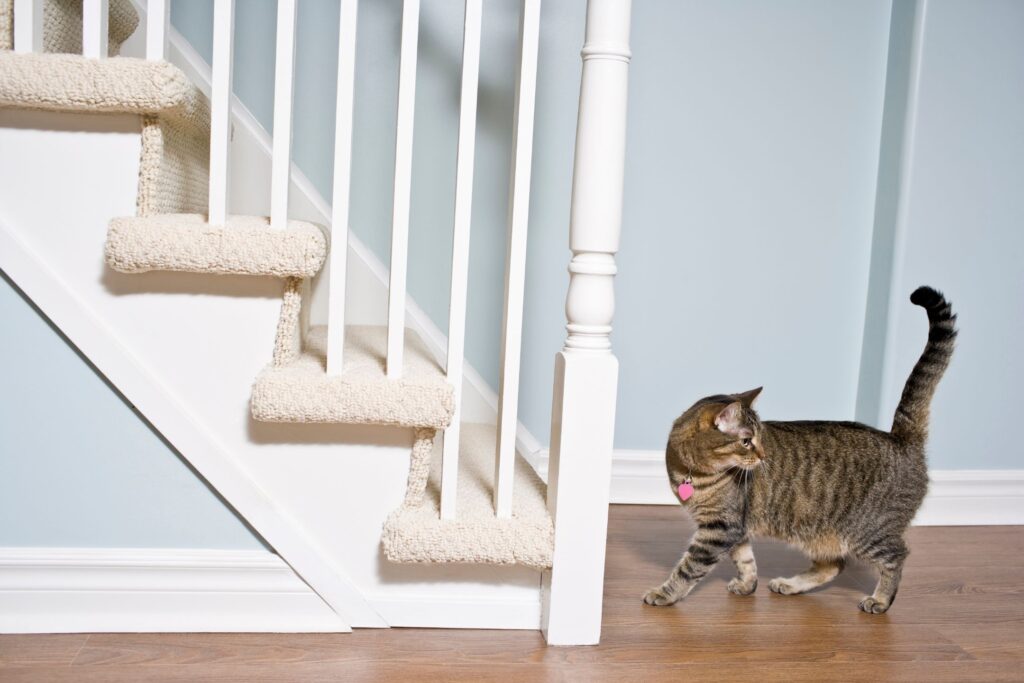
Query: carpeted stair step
[[175, 157], [416, 533], [62, 25], [299, 389], [295, 387], [247, 245]]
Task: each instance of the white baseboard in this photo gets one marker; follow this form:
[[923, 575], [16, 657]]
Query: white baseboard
[[95, 590], [955, 497], [473, 611], [75, 590]]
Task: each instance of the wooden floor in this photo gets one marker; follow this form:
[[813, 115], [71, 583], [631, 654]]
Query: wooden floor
[[959, 617]]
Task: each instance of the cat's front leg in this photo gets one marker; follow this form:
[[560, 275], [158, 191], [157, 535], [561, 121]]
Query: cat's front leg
[[705, 549], [745, 582]]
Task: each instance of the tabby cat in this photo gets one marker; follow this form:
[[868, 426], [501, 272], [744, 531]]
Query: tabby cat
[[833, 489]]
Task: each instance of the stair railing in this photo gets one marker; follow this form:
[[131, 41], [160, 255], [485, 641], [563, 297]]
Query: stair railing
[[586, 371]]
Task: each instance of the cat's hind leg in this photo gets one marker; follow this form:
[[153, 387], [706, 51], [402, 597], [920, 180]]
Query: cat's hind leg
[[742, 556], [888, 560], [820, 573]]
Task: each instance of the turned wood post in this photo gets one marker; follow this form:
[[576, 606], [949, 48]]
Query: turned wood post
[[586, 372]]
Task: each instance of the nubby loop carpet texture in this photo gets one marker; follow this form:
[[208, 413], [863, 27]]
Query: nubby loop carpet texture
[[62, 25], [247, 245]]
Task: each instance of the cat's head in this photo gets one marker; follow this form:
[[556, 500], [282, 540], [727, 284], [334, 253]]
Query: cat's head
[[717, 433]]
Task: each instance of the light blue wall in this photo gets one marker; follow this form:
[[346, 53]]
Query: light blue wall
[[78, 468], [966, 227]]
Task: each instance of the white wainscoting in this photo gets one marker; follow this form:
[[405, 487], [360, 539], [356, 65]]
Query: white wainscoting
[[955, 497]]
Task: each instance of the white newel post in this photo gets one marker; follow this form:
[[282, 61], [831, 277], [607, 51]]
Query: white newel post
[[586, 372]]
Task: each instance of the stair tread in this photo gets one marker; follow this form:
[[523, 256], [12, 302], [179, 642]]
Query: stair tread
[[247, 245], [62, 25], [301, 390], [65, 82], [418, 534]]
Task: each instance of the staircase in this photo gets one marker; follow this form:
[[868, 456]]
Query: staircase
[[470, 498]]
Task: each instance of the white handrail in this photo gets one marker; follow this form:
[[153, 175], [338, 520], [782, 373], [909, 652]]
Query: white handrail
[[220, 109], [515, 264], [342, 186], [28, 25], [403, 187], [95, 31], [282, 142], [157, 20], [460, 249]]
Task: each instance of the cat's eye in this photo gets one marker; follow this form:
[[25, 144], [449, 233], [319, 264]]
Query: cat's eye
[[746, 442]]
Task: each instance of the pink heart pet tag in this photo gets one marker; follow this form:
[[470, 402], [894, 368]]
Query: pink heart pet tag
[[685, 490]]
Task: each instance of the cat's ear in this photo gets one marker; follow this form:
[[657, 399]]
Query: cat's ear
[[747, 398], [728, 421]]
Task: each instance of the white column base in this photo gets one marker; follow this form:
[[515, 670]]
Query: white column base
[[579, 482]]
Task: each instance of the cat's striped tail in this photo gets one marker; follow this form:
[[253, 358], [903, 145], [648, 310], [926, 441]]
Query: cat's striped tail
[[911, 420]]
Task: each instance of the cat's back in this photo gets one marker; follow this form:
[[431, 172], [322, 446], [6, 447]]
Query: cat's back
[[822, 475], [822, 438]]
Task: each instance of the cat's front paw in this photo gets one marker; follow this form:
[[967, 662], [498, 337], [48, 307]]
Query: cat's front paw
[[658, 597], [873, 606], [740, 587]]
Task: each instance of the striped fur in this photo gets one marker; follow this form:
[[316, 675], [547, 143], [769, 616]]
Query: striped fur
[[833, 489]]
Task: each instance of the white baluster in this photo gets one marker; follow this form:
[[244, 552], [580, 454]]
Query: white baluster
[[460, 249], [337, 265], [403, 187], [28, 25], [95, 20], [586, 372], [158, 15], [515, 265], [220, 108], [283, 80]]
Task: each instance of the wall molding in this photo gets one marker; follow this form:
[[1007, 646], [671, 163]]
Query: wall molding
[[955, 497], [69, 590], [78, 590]]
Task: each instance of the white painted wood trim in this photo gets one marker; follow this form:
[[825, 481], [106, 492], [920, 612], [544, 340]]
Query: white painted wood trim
[[95, 28], [72, 590], [158, 19], [175, 422], [955, 497], [91, 590], [337, 266], [455, 357], [220, 109], [427, 611], [403, 187], [284, 78], [28, 25], [586, 372], [515, 257]]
